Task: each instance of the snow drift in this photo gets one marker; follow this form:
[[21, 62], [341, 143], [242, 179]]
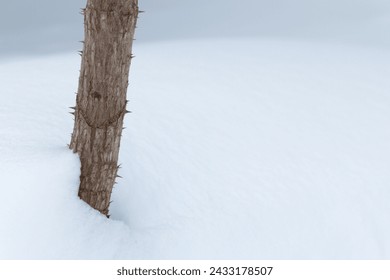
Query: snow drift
[[236, 149]]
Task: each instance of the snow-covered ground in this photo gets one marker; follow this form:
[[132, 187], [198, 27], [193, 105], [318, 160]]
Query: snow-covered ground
[[236, 148]]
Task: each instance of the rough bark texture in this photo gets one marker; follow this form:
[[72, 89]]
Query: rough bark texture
[[101, 98]]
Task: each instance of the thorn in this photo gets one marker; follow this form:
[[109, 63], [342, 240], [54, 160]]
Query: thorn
[[72, 113], [123, 127], [74, 108], [118, 176], [81, 42], [140, 11], [126, 112]]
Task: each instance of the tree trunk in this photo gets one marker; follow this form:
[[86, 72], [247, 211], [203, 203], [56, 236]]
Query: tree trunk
[[109, 27]]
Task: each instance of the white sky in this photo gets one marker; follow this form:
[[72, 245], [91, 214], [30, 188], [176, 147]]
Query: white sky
[[44, 26]]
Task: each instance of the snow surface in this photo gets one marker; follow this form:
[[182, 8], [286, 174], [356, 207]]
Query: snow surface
[[236, 149]]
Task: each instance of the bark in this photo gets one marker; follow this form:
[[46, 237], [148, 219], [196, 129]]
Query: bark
[[109, 27]]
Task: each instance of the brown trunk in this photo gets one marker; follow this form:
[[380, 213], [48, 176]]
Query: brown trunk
[[109, 27]]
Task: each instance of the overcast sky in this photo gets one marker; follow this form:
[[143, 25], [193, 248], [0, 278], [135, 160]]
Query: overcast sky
[[47, 26]]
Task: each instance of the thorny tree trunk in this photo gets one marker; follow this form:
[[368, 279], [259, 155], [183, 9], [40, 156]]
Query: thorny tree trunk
[[109, 27]]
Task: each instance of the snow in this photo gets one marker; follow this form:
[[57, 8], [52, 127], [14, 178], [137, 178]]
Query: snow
[[235, 149], [257, 135]]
